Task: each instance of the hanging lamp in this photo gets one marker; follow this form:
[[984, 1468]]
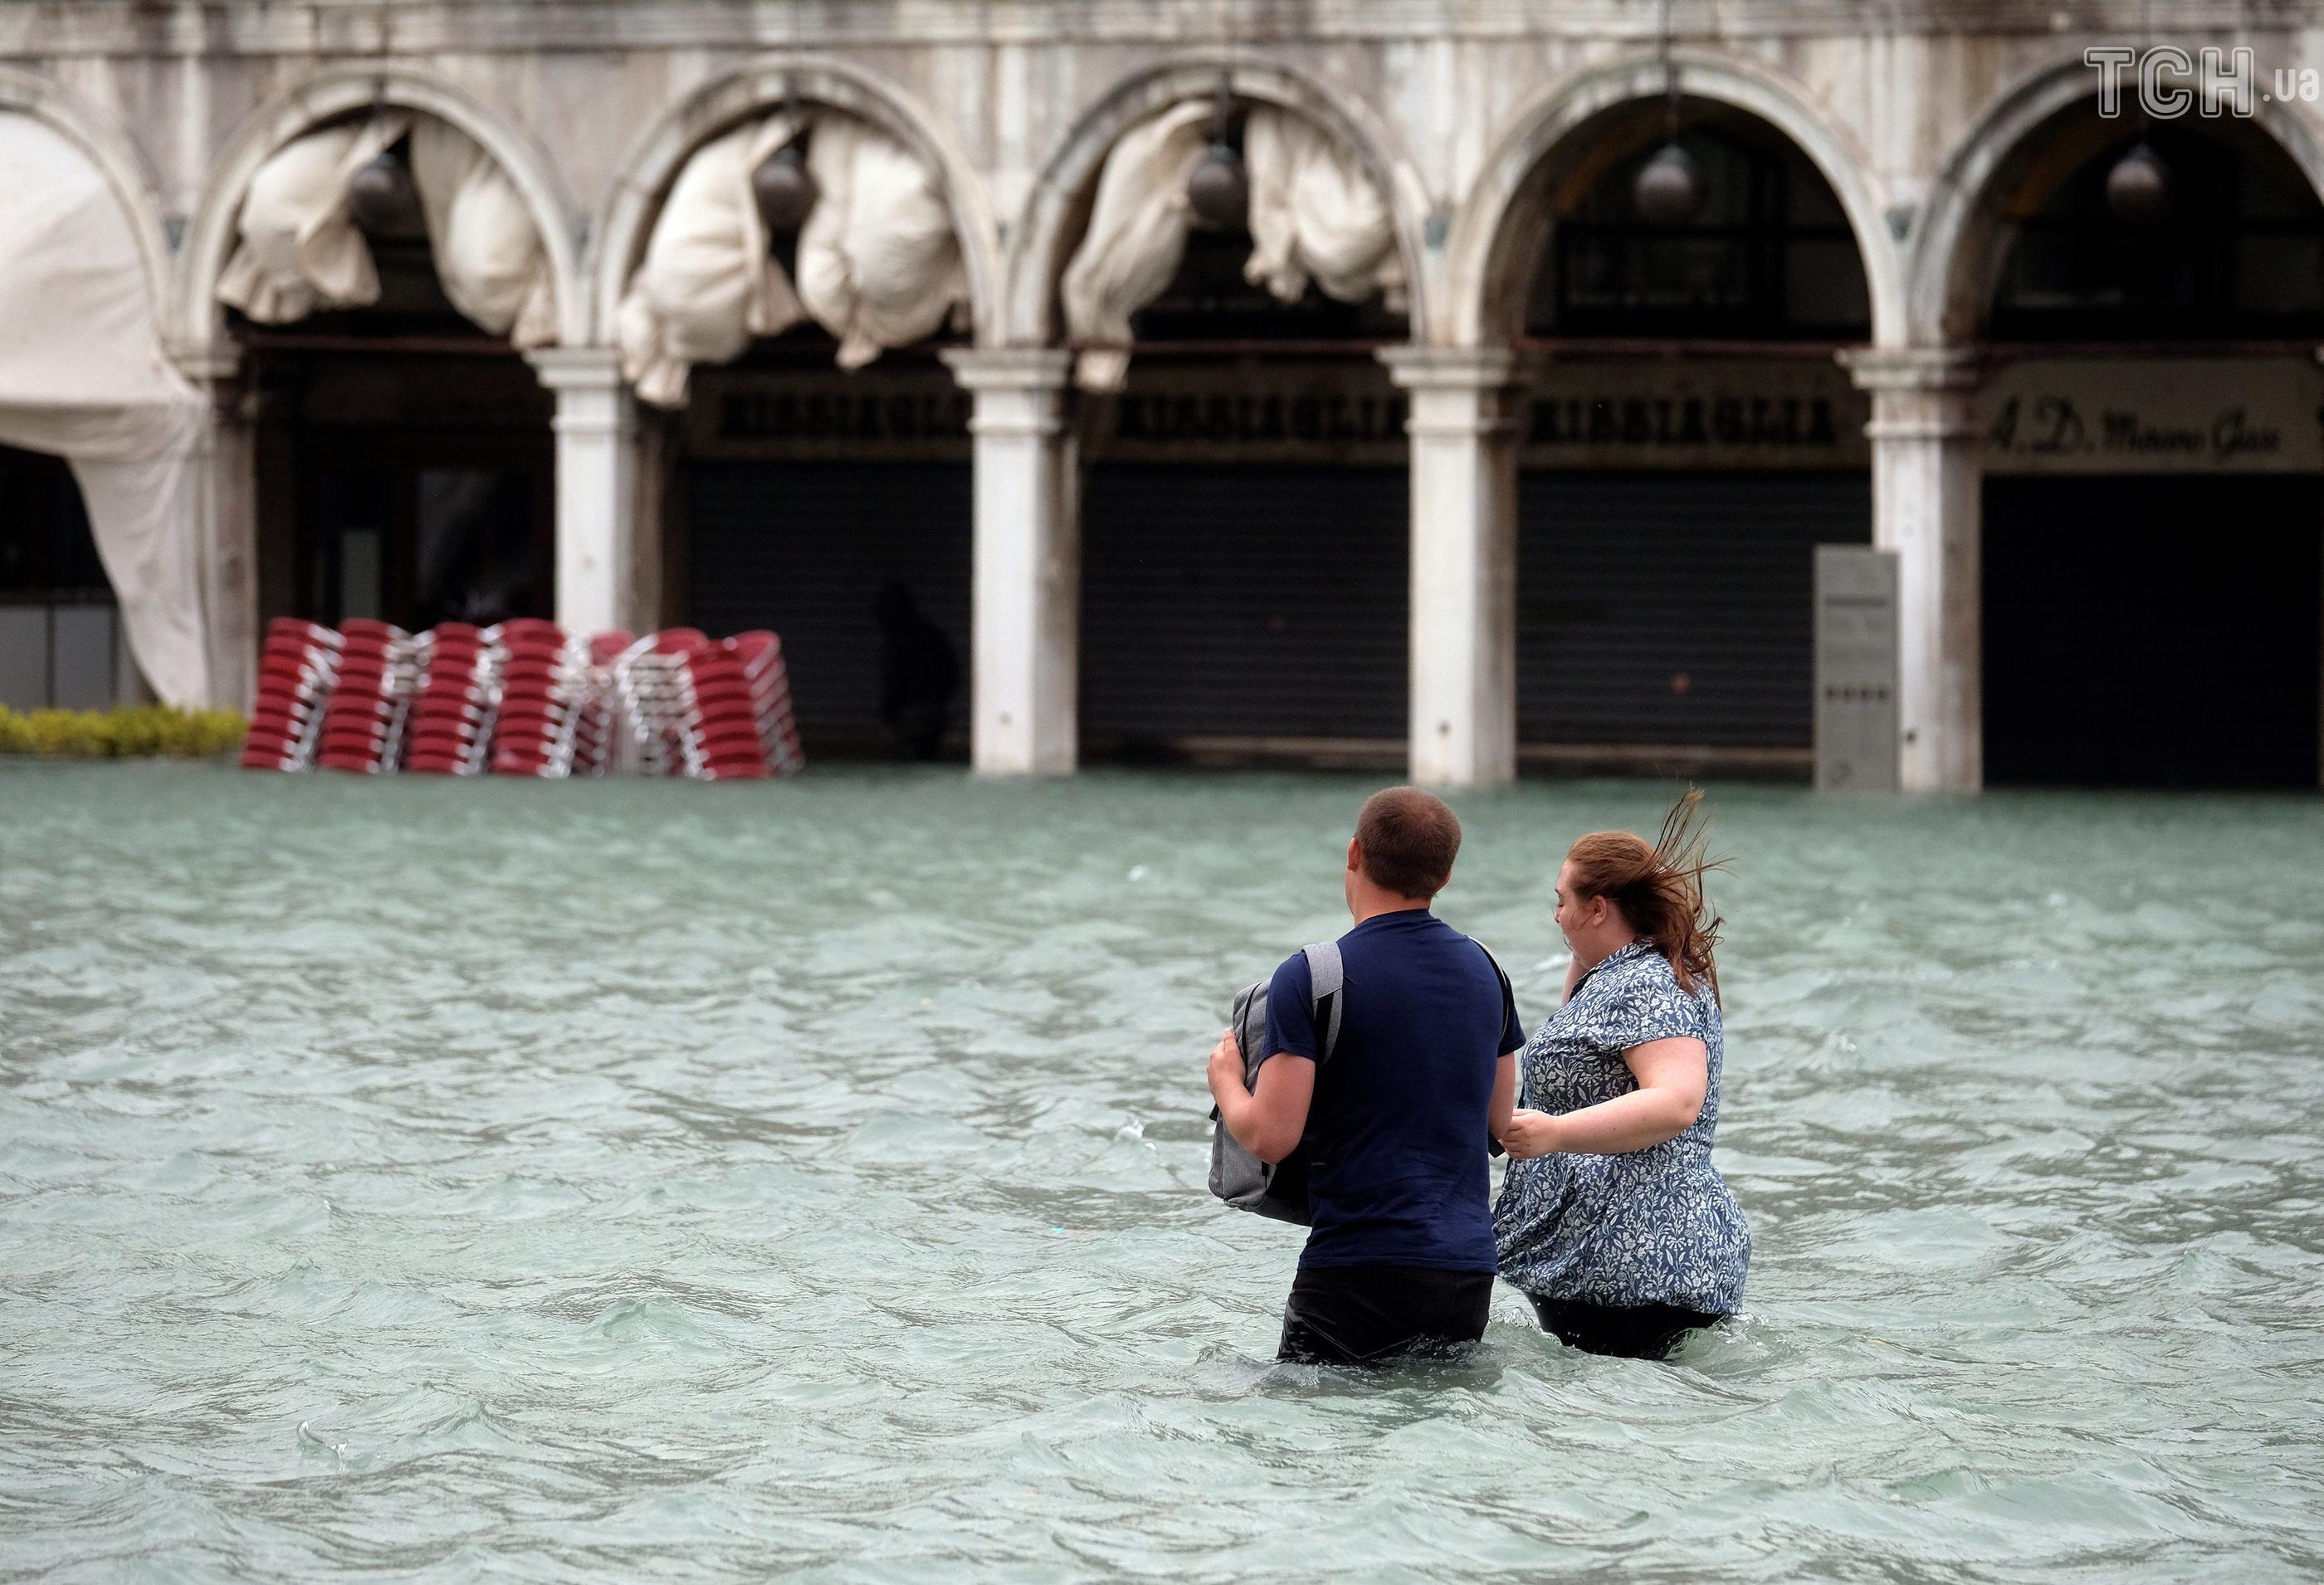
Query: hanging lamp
[[1668, 189], [381, 199], [1219, 189], [782, 187], [2138, 188], [784, 191]]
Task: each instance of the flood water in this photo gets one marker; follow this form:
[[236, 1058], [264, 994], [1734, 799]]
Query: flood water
[[656, 1181]]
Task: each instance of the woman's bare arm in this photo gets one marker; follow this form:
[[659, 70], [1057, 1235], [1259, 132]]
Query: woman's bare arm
[[1672, 1076]]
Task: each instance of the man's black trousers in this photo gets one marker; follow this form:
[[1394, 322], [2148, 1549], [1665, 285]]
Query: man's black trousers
[[1373, 1314]]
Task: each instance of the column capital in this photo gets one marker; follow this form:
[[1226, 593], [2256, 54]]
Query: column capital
[[1009, 368], [593, 400], [1020, 391], [1913, 368], [1918, 392], [1452, 368], [577, 368], [1464, 395], [206, 363]]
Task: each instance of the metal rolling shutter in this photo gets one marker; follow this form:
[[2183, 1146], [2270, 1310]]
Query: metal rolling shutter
[[804, 546], [1675, 608], [1243, 600], [2152, 630]]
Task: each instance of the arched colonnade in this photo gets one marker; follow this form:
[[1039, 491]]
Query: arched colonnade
[[1468, 258]]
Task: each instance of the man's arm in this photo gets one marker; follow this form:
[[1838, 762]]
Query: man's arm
[[1269, 1121]]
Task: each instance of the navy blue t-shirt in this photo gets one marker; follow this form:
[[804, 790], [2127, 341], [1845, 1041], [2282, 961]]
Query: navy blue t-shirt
[[1397, 1131]]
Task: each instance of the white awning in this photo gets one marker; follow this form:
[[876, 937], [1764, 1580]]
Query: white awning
[[489, 256], [879, 261], [708, 286], [83, 376], [298, 250], [1314, 215], [1136, 236]]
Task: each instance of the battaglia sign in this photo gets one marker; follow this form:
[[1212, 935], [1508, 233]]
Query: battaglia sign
[[1287, 411], [2174, 416], [874, 414], [1768, 415], [1609, 414], [2054, 416], [1602, 415]]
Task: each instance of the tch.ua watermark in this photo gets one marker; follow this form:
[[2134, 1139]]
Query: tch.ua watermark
[[2168, 82]]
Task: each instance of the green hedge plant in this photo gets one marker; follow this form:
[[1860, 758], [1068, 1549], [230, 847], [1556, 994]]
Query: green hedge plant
[[126, 732]]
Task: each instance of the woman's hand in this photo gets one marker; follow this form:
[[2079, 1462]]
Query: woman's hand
[[1226, 1068], [1530, 1134]]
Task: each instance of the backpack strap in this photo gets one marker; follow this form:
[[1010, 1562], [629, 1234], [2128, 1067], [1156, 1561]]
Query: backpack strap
[[1493, 1147], [1502, 972], [1327, 981]]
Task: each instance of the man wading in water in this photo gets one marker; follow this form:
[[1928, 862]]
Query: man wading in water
[[1400, 1248]]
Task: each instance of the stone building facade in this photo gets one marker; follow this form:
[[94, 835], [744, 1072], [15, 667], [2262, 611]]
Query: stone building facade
[[1925, 339]]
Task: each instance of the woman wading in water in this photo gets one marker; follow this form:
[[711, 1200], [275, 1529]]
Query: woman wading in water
[[1612, 1219]]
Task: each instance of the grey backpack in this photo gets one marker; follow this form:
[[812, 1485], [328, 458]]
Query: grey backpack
[[1237, 1176]]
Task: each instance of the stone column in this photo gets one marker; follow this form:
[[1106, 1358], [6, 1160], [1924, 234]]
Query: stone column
[[1464, 562], [223, 489], [1926, 483], [1026, 626], [596, 489]]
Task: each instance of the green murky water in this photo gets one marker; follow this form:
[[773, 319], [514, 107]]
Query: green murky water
[[659, 1181]]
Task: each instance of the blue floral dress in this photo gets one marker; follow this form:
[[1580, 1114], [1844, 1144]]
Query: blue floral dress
[[1656, 1226]]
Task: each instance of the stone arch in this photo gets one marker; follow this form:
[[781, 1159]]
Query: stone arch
[[116, 156], [619, 237], [1957, 244], [334, 92], [1037, 243], [1484, 248]]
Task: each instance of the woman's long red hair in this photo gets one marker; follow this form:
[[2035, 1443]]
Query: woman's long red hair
[[1658, 887]]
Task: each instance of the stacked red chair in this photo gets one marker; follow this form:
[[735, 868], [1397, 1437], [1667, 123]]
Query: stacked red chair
[[592, 735], [721, 740], [652, 697], [380, 671], [452, 718], [544, 684], [524, 698], [747, 668], [297, 670], [771, 683]]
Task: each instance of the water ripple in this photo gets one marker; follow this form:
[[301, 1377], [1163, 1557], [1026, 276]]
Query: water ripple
[[631, 1180]]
